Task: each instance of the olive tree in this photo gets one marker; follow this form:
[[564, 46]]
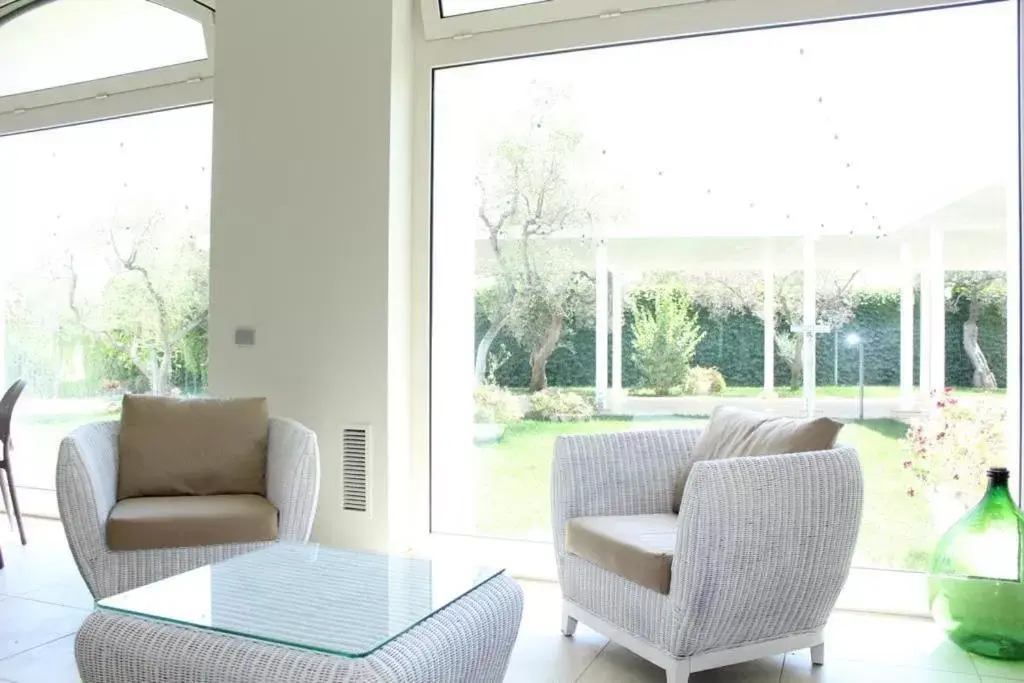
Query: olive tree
[[535, 193]]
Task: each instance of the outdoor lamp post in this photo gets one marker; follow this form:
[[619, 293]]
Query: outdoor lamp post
[[854, 339]]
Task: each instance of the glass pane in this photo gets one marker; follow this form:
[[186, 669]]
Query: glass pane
[[97, 38], [451, 8], [307, 596], [106, 231], [605, 248]]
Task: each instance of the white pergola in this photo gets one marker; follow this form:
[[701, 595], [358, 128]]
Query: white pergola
[[968, 233]]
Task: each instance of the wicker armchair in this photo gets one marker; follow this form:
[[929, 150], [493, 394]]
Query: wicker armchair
[[87, 488], [758, 554]]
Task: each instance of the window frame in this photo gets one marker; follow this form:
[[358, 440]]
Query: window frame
[[438, 26], [139, 92], [517, 32]]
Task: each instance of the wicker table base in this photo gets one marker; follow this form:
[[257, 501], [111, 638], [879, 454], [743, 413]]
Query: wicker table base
[[467, 642]]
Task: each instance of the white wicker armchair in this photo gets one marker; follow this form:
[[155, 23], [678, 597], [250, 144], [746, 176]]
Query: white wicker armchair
[[87, 488], [763, 546]]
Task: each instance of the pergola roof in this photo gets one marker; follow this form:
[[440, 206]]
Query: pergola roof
[[974, 228]]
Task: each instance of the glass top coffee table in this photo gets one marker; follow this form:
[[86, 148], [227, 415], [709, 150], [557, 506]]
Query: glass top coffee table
[[296, 612], [338, 602]]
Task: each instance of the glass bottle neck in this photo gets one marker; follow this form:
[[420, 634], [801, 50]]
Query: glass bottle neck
[[998, 494]]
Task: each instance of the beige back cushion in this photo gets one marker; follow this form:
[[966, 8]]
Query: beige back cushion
[[736, 433], [198, 447]]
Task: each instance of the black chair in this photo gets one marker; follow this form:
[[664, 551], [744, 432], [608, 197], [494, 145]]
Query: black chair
[[10, 496]]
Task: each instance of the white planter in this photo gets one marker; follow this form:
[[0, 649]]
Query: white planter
[[487, 432]]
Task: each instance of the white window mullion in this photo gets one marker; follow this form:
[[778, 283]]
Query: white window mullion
[[522, 25], [52, 112], [437, 24], [12, 6], [106, 87], [209, 35], [190, 8]]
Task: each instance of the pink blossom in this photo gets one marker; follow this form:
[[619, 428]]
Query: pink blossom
[[907, 464], [911, 492]]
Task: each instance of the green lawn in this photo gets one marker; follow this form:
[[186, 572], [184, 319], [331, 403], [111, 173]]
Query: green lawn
[[37, 439], [514, 476]]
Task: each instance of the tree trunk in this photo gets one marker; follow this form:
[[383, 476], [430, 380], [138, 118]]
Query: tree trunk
[[484, 347], [541, 354], [983, 377], [796, 363]]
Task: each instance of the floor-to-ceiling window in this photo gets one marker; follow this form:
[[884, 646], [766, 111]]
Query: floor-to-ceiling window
[[105, 151], [819, 218]]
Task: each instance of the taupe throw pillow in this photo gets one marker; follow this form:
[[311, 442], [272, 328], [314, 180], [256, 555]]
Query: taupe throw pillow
[[201, 447], [736, 433]]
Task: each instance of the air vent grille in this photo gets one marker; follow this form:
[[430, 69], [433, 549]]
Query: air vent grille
[[355, 472]]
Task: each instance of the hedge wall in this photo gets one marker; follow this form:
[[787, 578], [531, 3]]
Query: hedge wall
[[736, 347]]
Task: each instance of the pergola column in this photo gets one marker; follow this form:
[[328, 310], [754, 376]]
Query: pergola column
[[768, 315], [618, 294], [925, 362], [906, 328], [810, 313], [937, 303], [601, 328]]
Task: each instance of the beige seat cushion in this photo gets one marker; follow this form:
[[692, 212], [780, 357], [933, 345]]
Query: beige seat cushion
[[736, 433], [636, 547], [199, 447], [190, 521]]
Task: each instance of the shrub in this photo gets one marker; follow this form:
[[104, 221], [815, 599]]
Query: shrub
[[555, 405], [950, 448], [702, 381], [495, 405], [665, 339]]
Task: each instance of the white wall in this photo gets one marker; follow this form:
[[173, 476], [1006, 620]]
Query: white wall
[[309, 231], [402, 530]]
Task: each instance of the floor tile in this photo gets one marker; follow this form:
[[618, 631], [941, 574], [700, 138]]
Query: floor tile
[[542, 654], [844, 671], [46, 559], [767, 670], [549, 657], [71, 593], [43, 601], [896, 641], [999, 668], [53, 662], [616, 664], [25, 624]]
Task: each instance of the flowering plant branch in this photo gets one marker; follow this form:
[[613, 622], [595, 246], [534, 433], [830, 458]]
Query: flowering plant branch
[[951, 446]]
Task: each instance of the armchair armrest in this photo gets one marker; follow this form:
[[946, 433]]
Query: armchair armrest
[[87, 490], [764, 546], [622, 473], [293, 477]]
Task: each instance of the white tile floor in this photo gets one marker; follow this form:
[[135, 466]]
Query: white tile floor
[[43, 601]]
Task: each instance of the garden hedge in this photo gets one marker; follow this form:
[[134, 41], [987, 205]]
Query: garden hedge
[[735, 346]]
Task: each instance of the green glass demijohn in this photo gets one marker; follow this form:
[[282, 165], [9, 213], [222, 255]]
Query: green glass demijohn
[[975, 585]]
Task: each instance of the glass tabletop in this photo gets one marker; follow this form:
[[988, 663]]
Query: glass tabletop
[[340, 602]]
